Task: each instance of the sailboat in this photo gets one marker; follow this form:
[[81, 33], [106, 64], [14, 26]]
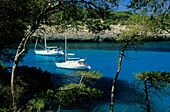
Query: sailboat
[[48, 51], [72, 63]]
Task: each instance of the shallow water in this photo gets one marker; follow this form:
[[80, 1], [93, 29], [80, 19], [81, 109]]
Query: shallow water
[[153, 56]]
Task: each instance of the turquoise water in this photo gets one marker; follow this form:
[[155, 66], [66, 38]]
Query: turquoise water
[[153, 56]]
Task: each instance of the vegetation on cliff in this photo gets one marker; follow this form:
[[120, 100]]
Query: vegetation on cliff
[[94, 28]]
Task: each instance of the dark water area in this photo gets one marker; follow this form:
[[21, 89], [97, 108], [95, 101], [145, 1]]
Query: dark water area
[[161, 46], [125, 93], [103, 57]]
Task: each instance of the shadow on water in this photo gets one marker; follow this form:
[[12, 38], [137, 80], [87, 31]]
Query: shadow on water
[[161, 46], [60, 80], [124, 92]]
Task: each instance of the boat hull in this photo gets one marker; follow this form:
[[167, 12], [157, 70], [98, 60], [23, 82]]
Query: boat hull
[[73, 65], [48, 52]]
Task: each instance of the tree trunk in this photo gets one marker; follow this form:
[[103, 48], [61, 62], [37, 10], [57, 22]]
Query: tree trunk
[[15, 64], [78, 87], [116, 77], [147, 98], [21, 49], [117, 74]]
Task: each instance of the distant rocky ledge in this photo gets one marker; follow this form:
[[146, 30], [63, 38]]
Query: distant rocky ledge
[[85, 36]]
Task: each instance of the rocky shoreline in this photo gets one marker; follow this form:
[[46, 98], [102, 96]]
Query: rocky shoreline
[[84, 35]]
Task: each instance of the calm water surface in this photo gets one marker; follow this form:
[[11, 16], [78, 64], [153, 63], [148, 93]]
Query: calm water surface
[[103, 57]]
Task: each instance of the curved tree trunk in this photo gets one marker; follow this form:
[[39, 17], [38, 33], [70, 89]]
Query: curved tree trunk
[[15, 64], [147, 98], [21, 49], [117, 74], [116, 77]]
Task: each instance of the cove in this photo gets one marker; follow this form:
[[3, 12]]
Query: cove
[[154, 57]]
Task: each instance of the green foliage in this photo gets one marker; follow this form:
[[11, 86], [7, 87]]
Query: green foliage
[[139, 27], [158, 9], [30, 83], [34, 87], [66, 95], [96, 26], [142, 20], [167, 19], [34, 80], [5, 93], [91, 13], [120, 15], [3, 68], [150, 6], [156, 82], [15, 17], [36, 104], [5, 103], [152, 83], [4, 109], [77, 17], [162, 77], [90, 74]]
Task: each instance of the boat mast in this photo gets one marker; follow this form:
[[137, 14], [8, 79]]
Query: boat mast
[[45, 36], [36, 39], [65, 42], [35, 44]]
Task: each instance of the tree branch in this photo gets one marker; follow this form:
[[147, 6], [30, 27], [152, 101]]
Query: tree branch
[[139, 105]]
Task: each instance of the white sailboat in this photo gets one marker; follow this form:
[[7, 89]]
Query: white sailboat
[[72, 63], [48, 51]]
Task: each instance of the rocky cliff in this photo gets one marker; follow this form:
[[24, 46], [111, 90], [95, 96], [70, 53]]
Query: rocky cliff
[[83, 34]]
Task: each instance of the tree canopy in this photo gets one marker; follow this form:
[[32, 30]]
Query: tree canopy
[[158, 9], [156, 81], [15, 16], [152, 84]]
